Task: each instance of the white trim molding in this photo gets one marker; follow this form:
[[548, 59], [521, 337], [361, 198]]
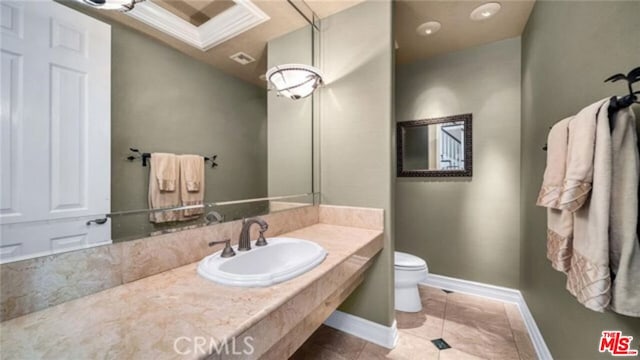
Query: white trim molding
[[385, 336], [232, 22], [496, 293]]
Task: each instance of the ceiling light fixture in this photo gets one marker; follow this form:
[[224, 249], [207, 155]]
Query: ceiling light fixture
[[120, 5], [295, 81], [428, 28], [485, 11]]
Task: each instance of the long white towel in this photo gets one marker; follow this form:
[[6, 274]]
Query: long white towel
[[588, 278], [555, 172], [624, 248], [559, 222], [580, 156], [578, 217], [192, 184]]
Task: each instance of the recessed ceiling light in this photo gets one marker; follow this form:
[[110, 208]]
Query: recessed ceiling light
[[485, 11], [428, 28]]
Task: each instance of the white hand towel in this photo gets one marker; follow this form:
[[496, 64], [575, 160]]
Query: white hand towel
[[191, 184], [559, 222], [165, 170], [554, 173], [588, 278], [579, 172], [163, 173], [624, 248]]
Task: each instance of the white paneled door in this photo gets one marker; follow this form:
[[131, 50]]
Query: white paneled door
[[55, 133]]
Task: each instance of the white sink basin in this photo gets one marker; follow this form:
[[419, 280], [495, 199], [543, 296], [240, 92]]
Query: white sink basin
[[281, 260]]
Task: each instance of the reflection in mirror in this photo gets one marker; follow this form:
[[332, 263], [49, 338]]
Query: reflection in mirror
[[124, 115], [435, 147], [134, 224]]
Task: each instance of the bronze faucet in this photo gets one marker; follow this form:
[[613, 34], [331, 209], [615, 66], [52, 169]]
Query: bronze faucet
[[244, 244]]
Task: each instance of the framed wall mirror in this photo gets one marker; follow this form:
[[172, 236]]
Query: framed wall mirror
[[439, 147]]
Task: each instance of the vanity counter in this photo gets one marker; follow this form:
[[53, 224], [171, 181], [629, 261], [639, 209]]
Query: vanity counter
[[165, 315]]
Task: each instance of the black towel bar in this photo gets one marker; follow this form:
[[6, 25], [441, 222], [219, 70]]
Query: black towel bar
[[144, 156]]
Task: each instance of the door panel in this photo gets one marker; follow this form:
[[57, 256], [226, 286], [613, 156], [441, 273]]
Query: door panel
[[55, 132], [69, 177], [25, 240], [10, 134]]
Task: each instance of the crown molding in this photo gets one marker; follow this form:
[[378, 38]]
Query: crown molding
[[232, 22]]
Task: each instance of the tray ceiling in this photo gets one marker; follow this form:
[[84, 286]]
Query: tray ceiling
[[195, 12], [282, 18]]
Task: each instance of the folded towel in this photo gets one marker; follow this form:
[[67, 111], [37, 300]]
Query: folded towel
[[579, 169], [588, 277], [166, 170], [191, 184], [578, 217], [163, 173], [624, 252], [554, 174], [559, 222], [192, 171], [560, 239]]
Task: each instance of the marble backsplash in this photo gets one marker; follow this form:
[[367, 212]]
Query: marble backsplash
[[35, 284], [365, 218]]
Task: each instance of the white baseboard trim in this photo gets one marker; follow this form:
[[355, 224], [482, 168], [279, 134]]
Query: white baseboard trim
[[385, 336], [496, 293]]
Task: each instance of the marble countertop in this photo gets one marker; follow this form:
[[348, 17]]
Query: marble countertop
[[145, 317]]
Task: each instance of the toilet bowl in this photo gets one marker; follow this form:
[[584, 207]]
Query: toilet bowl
[[409, 271]]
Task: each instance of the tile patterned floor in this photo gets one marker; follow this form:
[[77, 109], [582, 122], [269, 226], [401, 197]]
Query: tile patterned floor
[[474, 327]]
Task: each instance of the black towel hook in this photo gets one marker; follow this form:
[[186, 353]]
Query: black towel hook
[[618, 103]]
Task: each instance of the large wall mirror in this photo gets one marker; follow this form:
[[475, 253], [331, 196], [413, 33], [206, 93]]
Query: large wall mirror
[[96, 104], [439, 147]]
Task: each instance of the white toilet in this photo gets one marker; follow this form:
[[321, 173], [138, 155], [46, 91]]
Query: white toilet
[[409, 271]]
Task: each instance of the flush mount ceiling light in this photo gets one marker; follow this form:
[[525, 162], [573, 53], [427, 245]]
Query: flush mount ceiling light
[[485, 11], [295, 81], [120, 5], [428, 28]]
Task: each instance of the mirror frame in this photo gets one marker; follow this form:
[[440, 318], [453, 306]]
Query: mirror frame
[[468, 150]]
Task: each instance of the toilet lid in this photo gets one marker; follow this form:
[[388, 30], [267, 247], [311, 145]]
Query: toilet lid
[[404, 260]]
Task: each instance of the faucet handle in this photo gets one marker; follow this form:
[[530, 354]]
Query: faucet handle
[[261, 240], [227, 251]]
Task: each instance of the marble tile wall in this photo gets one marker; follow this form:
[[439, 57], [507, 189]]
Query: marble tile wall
[[142, 258], [35, 284], [31, 285]]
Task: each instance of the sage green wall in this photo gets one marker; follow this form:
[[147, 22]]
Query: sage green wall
[[356, 122], [290, 121], [466, 227], [165, 101], [568, 49]]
